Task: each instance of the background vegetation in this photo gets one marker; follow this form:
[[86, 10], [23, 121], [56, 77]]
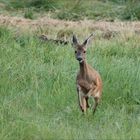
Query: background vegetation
[[79, 9]]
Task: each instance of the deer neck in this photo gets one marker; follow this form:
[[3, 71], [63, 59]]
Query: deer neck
[[83, 68]]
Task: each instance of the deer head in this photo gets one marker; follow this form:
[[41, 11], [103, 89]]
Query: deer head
[[80, 49]]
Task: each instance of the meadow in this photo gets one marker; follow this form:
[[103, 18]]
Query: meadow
[[38, 99]]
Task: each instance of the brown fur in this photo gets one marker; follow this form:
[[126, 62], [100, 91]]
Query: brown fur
[[89, 83]]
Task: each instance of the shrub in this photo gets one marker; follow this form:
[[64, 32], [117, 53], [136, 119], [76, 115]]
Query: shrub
[[44, 4], [132, 10], [29, 14]]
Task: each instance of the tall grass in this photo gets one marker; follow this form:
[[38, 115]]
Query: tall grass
[[38, 98]]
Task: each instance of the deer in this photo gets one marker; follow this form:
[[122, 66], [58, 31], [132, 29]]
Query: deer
[[88, 80]]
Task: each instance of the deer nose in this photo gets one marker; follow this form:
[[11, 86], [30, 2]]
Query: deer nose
[[79, 58]]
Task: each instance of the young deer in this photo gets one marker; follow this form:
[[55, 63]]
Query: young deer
[[88, 81]]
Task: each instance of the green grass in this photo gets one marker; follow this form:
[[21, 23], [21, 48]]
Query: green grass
[[109, 10], [38, 98]]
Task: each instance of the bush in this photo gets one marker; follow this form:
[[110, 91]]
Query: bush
[[132, 10], [29, 14], [109, 10], [17, 4], [44, 4]]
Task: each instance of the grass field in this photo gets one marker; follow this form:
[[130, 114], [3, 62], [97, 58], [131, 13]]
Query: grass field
[[38, 99]]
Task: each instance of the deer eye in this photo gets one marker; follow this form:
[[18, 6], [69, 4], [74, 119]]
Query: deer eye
[[75, 51], [84, 51]]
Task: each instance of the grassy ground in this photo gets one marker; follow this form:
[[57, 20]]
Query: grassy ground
[[38, 97]]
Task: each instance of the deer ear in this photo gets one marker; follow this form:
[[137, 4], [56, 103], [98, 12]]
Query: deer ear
[[87, 40], [74, 40]]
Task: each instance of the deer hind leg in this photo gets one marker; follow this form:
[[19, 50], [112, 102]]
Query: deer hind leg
[[97, 100], [96, 103]]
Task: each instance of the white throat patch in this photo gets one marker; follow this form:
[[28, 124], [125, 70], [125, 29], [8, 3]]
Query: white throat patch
[[81, 61]]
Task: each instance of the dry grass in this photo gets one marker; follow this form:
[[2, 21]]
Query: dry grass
[[59, 28]]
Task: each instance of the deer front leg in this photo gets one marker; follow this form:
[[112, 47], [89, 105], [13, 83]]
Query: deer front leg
[[87, 104], [84, 104], [82, 100]]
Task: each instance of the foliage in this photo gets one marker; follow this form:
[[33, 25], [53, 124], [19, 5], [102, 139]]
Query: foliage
[[29, 14], [132, 10], [80, 9], [45, 4]]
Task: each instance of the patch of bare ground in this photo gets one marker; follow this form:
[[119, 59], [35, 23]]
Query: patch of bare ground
[[63, 29]]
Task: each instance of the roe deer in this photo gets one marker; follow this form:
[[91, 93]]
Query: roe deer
[[88, 81]]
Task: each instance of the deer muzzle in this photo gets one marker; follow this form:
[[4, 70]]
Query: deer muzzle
[[80, 59]]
